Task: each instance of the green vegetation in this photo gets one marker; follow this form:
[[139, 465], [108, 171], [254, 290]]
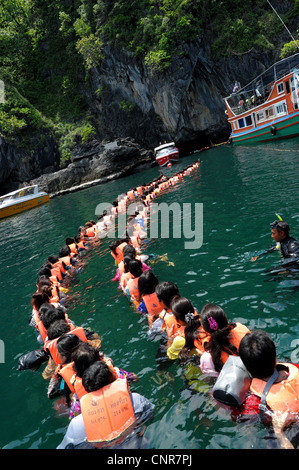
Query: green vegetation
[[48, 47]]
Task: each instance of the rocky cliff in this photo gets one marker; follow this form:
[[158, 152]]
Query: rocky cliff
[[127, 100]]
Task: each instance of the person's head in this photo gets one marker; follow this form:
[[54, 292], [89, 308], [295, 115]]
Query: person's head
[[64, 251], [213, 318], [126, 262], [57, 328], [182, 309], [44, 271], [147, 283], [129, 250], [83, 357], [114, 245], [66, 346], [215, 322], [77, 238], [97, 376], [41, 297], [135, 267], [165, 291], [258, 353], [280, 229], [53, 259], [44, 282], [69, 241], [49, 314]]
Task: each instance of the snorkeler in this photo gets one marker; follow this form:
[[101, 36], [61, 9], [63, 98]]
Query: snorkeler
[[289, 246]]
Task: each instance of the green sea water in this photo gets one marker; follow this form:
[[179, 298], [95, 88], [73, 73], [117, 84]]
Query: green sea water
[[241, 189]]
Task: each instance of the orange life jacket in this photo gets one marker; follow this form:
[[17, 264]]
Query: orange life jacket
[[235, 338], [66, 260], [55, 297], [282, 396], [56, 271], [118, 255], [81, 244], [132, 285], [152, 304], [90, 232], [170, 322], [51, 345], [73, 382], [60, 265], [107, 412], [73, 248]]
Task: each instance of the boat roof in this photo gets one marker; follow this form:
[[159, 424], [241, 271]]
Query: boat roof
[[272, 74], [13, 193], [169, 144]]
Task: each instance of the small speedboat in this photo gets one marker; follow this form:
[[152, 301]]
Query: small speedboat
[[21, 200], [166, 153]]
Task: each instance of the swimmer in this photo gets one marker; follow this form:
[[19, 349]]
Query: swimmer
[[289, 246]]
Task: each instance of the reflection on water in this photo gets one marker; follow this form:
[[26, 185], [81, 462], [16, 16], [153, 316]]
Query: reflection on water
[[241, 190]]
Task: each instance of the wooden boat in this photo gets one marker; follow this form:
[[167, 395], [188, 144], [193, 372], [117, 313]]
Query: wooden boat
[[166, 153], [21, 200], [268, 107]]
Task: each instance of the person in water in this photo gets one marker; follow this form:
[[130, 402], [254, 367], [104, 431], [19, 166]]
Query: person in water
[[223, 340], [258, 353], [104, 391], [289, 246]]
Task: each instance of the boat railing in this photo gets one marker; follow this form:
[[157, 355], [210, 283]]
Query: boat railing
[[257, 91], [19, 193], [241, 102]]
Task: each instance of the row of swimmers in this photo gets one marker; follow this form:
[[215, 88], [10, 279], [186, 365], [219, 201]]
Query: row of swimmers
[[210, 341], [78, 370]]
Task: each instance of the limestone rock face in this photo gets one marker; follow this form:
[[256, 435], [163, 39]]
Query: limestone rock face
[[19, 164], [95, 163]]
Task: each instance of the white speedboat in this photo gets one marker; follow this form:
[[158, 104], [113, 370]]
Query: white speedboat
[[166, 153]]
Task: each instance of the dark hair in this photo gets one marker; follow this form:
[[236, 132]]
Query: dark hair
[[181, 308], [97, 376], [114, 245], [147, 283], [165, 291], [67, 345], [129, 250], [83, 357], [49, 315], [77, 238], [64, 251], [44, 271], [135, 267], [44, 282], [258, 353], [69, 241], [53, 259], [215, 322], [281, 225], [57, 328], [40, 297]]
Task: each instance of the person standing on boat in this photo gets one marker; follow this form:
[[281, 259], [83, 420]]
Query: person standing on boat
[[236, 87], [289, 246]]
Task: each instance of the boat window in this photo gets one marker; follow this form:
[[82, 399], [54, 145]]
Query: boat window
[[281, 108], [269, 112], [241, 123], [248, 120], [287, 86], [280, 88], [260, 116]]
